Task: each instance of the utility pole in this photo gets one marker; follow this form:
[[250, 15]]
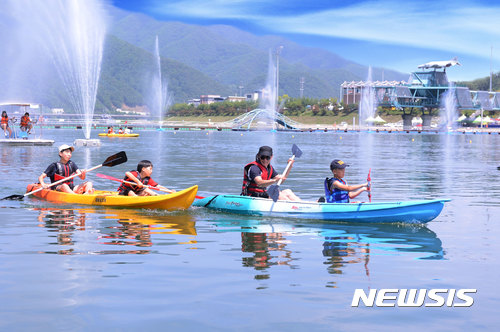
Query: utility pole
[[491, 70], [278, 52], [302, 81], [241, 89]]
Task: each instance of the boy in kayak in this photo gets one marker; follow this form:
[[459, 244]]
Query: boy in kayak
[[62, 169], [142, 178], [336, 189], [259, 174]]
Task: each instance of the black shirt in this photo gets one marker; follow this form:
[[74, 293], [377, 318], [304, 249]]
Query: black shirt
[[255, 171], [52, 170]]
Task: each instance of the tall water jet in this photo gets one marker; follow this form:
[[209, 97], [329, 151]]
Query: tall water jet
[[160, 98], [448, 109], [268, 100], [368, 103], [72, 32]]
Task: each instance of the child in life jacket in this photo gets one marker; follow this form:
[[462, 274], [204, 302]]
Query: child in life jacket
[[5, 124], [336, 189], [26, 123], [142, 178], [63, 169]]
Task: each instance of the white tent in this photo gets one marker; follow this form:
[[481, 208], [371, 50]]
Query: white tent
[[486, 119], [370, 119], [462, 118], [378, 119]]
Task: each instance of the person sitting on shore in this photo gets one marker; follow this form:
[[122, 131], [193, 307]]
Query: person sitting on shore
[[336, 189], [142, 177], [259, 174], [5, 124], [64, 168], [26, 123]]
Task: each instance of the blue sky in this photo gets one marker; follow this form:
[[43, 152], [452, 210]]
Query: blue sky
[[383, 33]]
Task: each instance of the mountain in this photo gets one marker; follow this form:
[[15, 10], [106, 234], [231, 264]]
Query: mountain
[[195, 60], [234, 57], [483, 84], [127, 75]]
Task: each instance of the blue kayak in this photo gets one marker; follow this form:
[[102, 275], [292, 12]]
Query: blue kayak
[[420, 211]]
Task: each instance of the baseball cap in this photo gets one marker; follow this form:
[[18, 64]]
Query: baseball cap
[[337, 163], [265, 151], [65, 147]]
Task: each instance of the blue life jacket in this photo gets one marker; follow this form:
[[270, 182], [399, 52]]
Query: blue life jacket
[[337, 195]]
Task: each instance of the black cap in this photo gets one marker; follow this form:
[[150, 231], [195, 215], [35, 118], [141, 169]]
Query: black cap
[[337, 163], [265, 151]]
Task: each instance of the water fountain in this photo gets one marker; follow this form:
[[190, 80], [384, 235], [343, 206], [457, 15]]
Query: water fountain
[[368, 103], [160, 99], [267, 116], [72, 34], [448, 109]]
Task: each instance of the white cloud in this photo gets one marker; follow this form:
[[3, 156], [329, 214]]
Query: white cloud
[[457, 27]]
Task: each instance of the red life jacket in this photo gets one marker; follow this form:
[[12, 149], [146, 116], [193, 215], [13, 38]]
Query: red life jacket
[[134, 188], [63, 171], [249, 186], [5, 120]]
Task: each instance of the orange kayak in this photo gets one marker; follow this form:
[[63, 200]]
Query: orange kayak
[[180, 200]]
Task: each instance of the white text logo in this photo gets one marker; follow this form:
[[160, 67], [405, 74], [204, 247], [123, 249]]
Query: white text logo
[[414, 297]]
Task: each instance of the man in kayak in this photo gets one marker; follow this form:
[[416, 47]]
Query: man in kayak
[[336, 189], [259, 174], [64, 168], [142, 178]]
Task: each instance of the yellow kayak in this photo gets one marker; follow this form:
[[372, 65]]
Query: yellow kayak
[[119, 135], [180, 200]]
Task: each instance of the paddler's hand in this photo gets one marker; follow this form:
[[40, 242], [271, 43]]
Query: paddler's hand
[[279, 177], [44, 185], [140, 185]]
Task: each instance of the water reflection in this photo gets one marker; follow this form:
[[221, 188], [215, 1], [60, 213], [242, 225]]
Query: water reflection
[[64, 222], [137, 227], [119, 228], [343, 245], [268, 249]]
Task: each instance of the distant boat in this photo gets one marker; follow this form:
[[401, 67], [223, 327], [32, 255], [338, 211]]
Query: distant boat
[[20, 137]]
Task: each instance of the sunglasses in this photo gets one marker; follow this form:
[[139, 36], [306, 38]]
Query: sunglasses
[[265, 158]]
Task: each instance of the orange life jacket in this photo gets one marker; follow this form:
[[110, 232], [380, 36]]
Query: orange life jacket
[[25, 120]]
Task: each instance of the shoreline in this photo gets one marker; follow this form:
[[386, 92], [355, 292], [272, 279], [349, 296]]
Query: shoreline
[[222, 126]]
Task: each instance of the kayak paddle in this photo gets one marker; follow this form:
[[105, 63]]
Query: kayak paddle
[[108, 177], [111, 161], [369, 180], [273, 191]]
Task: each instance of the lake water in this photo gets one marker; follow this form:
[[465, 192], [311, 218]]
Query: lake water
[[79, 268]]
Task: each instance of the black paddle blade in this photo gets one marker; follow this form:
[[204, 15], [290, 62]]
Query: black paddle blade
[[296, 151], [274, 192], [115, 159], [13, 197]]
